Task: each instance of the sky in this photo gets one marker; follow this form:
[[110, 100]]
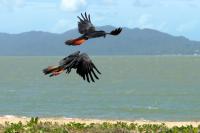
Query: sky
[[176, 17]]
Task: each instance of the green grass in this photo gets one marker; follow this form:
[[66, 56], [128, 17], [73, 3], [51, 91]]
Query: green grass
[[36, 126]]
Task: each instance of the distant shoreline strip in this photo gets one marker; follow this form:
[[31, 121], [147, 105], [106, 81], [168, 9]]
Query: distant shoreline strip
[[62, 120]]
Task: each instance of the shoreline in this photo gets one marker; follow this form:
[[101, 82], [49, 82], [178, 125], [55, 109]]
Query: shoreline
[[62, 120]]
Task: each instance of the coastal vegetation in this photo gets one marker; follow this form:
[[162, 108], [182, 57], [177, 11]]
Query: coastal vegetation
[[36, 126]]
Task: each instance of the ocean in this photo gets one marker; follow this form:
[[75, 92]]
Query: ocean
[[130, 88]]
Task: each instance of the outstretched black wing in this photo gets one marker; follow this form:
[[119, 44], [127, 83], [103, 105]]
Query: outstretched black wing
[[81, 62], [85, 25], [86, 68]]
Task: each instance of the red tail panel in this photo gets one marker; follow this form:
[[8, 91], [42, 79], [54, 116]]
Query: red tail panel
[[75, 42], [53, 70], [56, 73]]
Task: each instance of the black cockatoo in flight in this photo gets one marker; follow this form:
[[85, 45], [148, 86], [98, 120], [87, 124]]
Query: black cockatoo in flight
[[81, 62], [88, 30]]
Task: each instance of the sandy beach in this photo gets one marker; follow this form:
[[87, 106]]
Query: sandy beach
[[62, 120]]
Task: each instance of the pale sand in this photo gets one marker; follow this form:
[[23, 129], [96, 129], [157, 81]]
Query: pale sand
[[13, 119]]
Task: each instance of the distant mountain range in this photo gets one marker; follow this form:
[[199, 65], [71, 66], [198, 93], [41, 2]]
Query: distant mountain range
[[129, 42]]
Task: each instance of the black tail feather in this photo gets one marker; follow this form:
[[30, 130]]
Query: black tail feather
[[116, 31]]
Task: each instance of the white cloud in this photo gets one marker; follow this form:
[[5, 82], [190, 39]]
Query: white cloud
[[187, 27], [165, 3], [62, 25], [72, 5], [162, 26], [139, 3], [144, 21], [11, 4], [109, 2], [147, 21], [181, 3]]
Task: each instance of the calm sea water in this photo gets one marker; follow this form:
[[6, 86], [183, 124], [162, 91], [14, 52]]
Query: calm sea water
[[130, 87]]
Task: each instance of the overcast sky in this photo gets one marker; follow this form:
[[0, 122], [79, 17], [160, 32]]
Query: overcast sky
[[176, 17]]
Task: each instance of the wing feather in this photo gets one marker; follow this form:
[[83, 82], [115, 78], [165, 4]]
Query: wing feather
[[91, 76], [89, 17], [86, 16], [85, 68], [85, 25], [96, 68], [87, 77], [94, 74]]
